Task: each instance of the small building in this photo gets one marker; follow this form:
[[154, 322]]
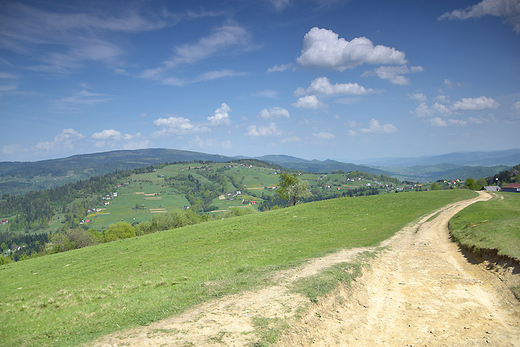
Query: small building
[[511, 187], [492, 188]]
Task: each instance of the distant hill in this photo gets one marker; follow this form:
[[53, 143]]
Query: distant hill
[[421, 173], [326, 166], [508, 157], [442, 171], [21, 177]]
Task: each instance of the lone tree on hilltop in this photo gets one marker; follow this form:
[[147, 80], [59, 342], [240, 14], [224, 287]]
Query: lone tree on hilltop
[[291, 188]]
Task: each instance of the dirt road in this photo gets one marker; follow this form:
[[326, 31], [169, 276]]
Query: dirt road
[[420, 292]]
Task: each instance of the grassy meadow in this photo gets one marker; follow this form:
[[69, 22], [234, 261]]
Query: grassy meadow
[[71, 298], [492, 224]]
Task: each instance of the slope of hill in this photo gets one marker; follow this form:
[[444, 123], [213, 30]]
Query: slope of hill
[[139, 280]]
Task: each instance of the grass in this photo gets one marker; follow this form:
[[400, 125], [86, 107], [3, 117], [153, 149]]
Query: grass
[[492, 224], [268, 330], [327, 280], [71, 298]]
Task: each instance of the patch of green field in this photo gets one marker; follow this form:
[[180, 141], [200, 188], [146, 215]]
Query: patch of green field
[[73, 297], [492, 224], [146, 196]]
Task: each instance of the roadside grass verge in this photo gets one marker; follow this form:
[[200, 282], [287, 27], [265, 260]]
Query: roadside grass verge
[[490, 225], [74, 297], [315, 287]]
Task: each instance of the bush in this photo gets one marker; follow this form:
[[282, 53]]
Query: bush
[[121, 230]]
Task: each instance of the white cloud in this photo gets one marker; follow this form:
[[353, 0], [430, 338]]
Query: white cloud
[[107, 134], [322, 85], [221, 116], [279, 68], [352, 124], [394, 73], [12, 149], [177, 126], [271, 130], [143, 115], [516, 107], [268, 93], [442, 98], [7, 75], [423, 110], [417, 97], [121, 72], [70, 37], [323, 48], [438, 122], [351, 132], [109, 137], [309, 102], [213, 75], [280, 5], [448, 83], [173, 81], [8, 87], [65, 140], [324, 136], [475, 104], [227, 144], [457, 121], [137, 144], [377, 128], [86, 98], [475, 120], [274, 112], [291, 139], [509, 9], [220, 40], [440, 108]]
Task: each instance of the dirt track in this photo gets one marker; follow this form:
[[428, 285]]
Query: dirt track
[[420, 292]]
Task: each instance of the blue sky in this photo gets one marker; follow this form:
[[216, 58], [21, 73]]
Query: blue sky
[[332, 79]]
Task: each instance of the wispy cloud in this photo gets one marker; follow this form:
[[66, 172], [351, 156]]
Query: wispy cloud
[[394, 73], [68, 38], [220, 41], [508, 9]]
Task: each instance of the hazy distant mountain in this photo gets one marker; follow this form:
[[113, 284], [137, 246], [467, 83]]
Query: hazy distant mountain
[[443, 171], [317, 165], [508, 157]]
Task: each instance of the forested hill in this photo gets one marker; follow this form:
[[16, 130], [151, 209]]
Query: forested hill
[[22, 177]]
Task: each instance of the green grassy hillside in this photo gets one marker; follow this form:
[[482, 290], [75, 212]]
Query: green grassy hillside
[[69, 298], [492, 224]]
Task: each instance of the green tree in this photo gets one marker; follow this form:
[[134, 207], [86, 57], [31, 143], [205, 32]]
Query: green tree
[[291, 188], [472, 184], [435, 186], [482, 182]]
